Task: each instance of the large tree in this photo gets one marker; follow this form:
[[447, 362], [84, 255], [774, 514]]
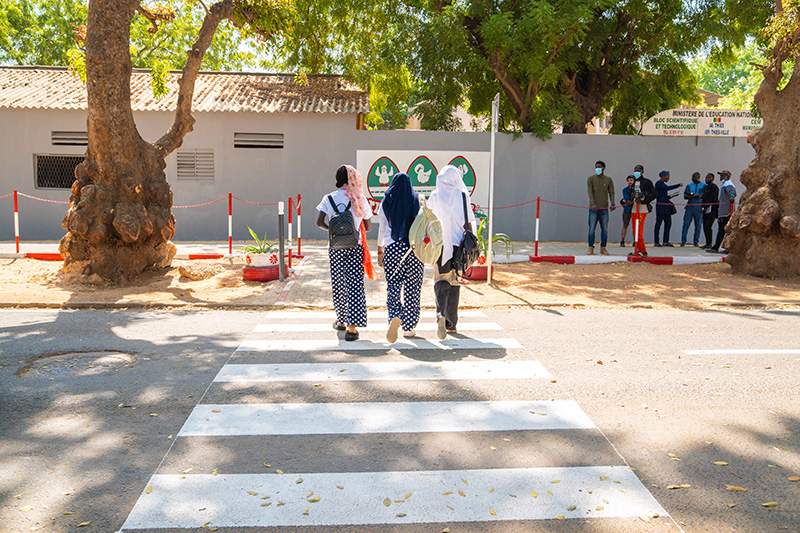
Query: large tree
[[119, 220], [764, 233]]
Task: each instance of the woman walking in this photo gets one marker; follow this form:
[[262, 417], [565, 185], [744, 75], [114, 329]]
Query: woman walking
[[348, 264], [447, 203], [403, 270]]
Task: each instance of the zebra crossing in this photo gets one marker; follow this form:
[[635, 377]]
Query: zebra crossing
[[300, 428]]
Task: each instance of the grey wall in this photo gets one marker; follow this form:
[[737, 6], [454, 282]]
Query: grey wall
[[316, 144]]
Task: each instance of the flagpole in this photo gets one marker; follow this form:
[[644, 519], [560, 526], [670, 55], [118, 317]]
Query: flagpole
[[490, 253]]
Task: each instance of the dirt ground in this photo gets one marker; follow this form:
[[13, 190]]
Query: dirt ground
[[28, 282]]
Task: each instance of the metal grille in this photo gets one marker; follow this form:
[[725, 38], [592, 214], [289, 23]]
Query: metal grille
[[258, 140], [56, 171], [69, 138], [196, 165]]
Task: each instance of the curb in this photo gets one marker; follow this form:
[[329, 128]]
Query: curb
[[603, 259], [42, 256]]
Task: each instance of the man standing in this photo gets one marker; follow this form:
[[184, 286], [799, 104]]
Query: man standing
[[727, 195], [643, 194], [710, 209], [627, 207], [693, 194], [601, 193], [664, 207]]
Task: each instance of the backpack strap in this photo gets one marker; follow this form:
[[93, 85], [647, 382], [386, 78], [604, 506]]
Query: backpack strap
[[466, 220], [333, 204]]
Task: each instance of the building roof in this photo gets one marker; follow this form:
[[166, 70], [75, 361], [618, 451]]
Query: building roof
[[57, 88]]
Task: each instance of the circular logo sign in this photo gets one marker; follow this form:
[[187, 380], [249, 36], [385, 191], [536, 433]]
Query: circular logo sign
[[468, 172], [380, 176], [423, 175]]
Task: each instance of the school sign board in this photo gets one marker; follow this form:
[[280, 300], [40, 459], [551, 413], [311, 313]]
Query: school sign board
[[377, 168], [702, 123]]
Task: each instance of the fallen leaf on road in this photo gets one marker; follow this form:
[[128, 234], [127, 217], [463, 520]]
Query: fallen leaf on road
[[84, 524], [599, 508], [447, 493], [187, 470], [149, 489], [67, 513], [299, 480], [266, 504], [216, 411], [339, 487], [734, 488], [534, 494], [771, 466], [400, 515], [23, 509], [571, 508], [267, 464], [491, 512], [281, 503], [720, 463], [252, 493], [310, 494], [731, 505], [644, 518], [556, 481], [769, 504], [315, 499], [449, 507], [491, 490], [461, 493], [683, 486], [492, 448], [507, 440], [387, 502], [793, 478], [214, 472], [561, 518], [407, 496], [279, 471]]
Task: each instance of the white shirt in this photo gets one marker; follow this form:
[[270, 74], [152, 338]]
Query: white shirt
[[385, 230], [341, 200]]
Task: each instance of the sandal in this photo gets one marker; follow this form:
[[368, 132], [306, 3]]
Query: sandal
[[338, 327], [351, 336]]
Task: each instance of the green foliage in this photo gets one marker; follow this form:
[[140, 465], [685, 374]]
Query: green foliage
[[483, 239], [39, 32], [262, 246]]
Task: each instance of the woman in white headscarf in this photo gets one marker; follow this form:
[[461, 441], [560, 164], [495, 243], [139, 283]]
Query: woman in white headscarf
[[447, 202]]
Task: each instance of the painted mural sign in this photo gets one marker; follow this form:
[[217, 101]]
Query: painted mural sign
[[702, 123], [380, 167]]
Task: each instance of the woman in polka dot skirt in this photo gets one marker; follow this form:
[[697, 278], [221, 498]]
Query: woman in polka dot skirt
[[403, 270], [347, 265]]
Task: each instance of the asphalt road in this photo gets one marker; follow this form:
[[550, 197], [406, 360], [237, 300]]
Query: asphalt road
[[635, 396]]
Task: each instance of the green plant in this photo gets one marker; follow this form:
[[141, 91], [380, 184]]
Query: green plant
[[261, 246], [483, 239]]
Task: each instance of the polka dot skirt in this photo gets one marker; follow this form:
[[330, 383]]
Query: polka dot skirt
[[347, 286]]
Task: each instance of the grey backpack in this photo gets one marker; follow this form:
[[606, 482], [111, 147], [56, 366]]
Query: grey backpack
[[341, 228]]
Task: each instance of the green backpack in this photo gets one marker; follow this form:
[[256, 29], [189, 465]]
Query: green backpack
[[425, 236]]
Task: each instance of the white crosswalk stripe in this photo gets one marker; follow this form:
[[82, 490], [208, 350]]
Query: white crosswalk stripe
[[415, 497], [297, 348], [391, 371], [318, 345]]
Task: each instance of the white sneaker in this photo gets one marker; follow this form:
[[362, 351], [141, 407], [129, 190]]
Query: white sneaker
[[409, 334], [394, 325], [441, 330]]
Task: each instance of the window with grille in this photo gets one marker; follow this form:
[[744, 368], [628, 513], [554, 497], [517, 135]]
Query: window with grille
[[196, 165], [258, 140], [69, 138], [56, 171]]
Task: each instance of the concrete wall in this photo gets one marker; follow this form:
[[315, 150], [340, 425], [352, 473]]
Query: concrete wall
[[316, 144]]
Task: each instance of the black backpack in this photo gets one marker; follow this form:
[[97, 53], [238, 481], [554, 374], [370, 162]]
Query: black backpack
[[468, 251], [341, 228]]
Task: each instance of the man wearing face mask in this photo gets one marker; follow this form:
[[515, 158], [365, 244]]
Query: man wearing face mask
[[643, 194], [601, 201]]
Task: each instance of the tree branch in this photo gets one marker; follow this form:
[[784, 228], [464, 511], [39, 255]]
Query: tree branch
[[154, 18], [184, 121]]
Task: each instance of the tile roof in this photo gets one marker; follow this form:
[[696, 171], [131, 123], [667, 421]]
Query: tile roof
[[57, 88]]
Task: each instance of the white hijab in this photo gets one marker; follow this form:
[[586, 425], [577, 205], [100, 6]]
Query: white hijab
[[447, 204]]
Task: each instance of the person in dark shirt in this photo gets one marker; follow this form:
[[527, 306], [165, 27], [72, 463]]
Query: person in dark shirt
[[664, 207], [627, 207], [643, 194], [710, 209], [692, 213]]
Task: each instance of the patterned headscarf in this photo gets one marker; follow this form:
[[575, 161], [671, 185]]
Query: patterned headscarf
[[354, 190]]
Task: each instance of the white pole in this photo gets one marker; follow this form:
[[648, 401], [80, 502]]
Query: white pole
[[495, 113]]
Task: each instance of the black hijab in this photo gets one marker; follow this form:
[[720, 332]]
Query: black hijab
[[400, 205]]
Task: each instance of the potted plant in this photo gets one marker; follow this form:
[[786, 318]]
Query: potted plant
[[261, 262], [478, 272]]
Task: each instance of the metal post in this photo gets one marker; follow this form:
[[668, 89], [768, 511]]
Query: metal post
[[16, 220], [636, 227], [299, 226], [536, 242], [495, 113], [280, 242], [230, 223], [290, 232]]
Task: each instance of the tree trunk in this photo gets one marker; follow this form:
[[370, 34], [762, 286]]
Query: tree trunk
[[587, 96], [764, 233], [119, 220]]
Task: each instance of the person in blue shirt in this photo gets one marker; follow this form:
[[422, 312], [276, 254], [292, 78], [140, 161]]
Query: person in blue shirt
[[693, 194], [664, 207], [627, 207]]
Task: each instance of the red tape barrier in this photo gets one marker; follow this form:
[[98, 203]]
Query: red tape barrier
[[197, 205], [42, 199], [253, 203]]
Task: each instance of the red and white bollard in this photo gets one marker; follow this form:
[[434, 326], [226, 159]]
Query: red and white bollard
[[230, 223], [290, 232], [299, 226], [16, 220], [536, 237]]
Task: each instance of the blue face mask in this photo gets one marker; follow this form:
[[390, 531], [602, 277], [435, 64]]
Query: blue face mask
[[598, 171], [637, 174]]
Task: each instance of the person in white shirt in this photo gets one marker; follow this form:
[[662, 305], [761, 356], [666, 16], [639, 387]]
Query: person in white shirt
[[447, 203], [403, 270], [347, 265]]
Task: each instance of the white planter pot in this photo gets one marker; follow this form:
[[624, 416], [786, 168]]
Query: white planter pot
[[261, 260]]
